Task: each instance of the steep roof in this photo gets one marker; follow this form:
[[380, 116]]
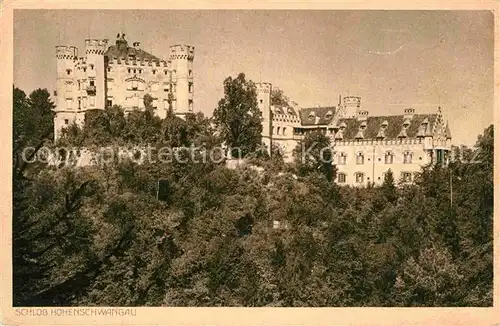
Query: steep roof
[[122, 50], [393, 129], [321, 116]]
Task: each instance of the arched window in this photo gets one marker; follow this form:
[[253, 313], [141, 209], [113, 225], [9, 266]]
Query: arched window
[[389, 157], [341, 177], [360, 158], [407, 157], [360, 177], [342, 158], [406, 176]]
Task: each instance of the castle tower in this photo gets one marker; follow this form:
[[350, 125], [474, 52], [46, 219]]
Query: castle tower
[[96, 73], [181, 57], [66, 56], [352, 105], [264, 103]]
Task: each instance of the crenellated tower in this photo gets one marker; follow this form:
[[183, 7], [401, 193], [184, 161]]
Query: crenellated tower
[[181, 58], [264, 103], [66, 56], [95, 86], [352, 105]]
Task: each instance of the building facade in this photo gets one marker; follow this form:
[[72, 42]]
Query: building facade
[[120, 74], [365, 147]]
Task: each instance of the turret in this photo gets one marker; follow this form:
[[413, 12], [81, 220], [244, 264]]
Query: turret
[[352, 105], [96, 73], [66, 58], [264, 103], [181, 57]]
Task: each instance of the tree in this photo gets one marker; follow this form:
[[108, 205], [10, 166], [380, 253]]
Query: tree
[[314, 154], [237, 116], [278, 98], [389, 188]]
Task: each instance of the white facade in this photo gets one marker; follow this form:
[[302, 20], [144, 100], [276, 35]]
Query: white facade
[[121, 75], [365, 147]]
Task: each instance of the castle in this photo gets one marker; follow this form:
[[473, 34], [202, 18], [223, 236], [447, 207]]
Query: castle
[[365, 147], [120, 74]]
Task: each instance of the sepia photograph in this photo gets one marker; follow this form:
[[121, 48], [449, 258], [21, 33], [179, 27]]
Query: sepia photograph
[[251, 158]]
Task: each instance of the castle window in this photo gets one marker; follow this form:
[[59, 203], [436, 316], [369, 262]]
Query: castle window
[[360, 158], [135, 71], [165, 104], [84, 69], [278, 130], [284, 131], [69, 103], [79, 85], [133, 85], [165, 72], [66, 121], [261, 101], [92, 83], [190, 87], [389, 157], [92, 101], [190, 73], [154, 71], [190, 103], [68, 87], [407, 157], [341, 177], [342, 158], [91, 67], [129, 70], [79, 104], [109, 103], [109, 69], [406, 176], [360, 177]]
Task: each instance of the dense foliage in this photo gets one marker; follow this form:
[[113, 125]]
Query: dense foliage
[[237, 116], [282, 236]]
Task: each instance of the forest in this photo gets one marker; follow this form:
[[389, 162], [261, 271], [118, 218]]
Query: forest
[[284, 235]]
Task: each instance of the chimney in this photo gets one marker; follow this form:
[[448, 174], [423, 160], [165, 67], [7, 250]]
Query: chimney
[[362, 115], [408, 113]]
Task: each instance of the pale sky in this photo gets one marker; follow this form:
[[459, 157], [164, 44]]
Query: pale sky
[[392, 59]]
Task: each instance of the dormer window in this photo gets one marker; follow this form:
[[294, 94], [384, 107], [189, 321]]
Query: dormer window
[[343, 126], [406, 123], [312, 115], [363, 125], [385, 124], [329, 115]]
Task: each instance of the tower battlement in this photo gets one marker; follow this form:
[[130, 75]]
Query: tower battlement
[[181, 52], [264, 87], [66, 52], [352, 100], [95, 46]]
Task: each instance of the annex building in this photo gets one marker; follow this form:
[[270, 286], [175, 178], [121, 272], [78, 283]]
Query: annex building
[[365, 147]]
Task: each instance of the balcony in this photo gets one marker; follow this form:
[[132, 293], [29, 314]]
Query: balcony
[[91, 90]]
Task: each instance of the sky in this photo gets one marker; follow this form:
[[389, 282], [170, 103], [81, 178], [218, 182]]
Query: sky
[[392, 59]]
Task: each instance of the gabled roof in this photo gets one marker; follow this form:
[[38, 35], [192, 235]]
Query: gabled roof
[[319, 112], [122, 50], [393, 129]]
